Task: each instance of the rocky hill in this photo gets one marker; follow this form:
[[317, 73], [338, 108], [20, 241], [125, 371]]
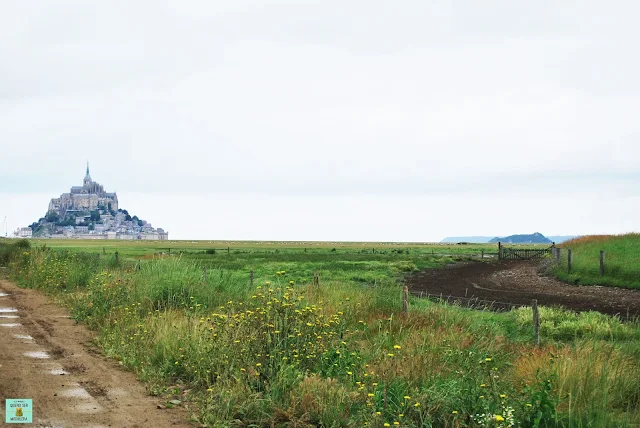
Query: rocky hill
[[534, 238], [88, 211]]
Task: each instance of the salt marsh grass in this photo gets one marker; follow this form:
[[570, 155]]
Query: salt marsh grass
[[622, 260], [285, 352]]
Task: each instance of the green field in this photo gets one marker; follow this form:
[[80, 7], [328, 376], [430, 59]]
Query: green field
[[368, 263], [140, 248], [622, 261], [284, 352]]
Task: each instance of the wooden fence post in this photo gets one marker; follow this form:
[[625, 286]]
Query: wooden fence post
[[499, 250], [536, 321], [601, 262], [251, 277], [116, 257], [569, 260], [204, 273], [405, 300], [558, 253], [316, 279], [482, 254], [228, 250]]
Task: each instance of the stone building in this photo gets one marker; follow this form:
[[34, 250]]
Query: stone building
[[23, 232], [88, 197]]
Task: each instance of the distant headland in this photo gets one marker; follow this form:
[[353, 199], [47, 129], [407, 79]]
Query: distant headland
[[88, 212], [534, 238]]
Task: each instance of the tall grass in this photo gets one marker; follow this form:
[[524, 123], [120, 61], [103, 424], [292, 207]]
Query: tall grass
[[622, 260], [9, 250], [285, 352]]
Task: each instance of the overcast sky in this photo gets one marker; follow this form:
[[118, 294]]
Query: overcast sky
[[327, 120]]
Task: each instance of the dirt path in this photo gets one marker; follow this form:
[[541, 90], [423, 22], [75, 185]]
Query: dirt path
[[45, 356], [518, 283]]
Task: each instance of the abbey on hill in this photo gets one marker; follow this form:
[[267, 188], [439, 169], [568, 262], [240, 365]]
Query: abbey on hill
[[88, 211], [88, 197]]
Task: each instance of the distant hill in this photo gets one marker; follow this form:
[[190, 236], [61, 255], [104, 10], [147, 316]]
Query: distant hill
[[89, 212], [470, 239], [534, 238], [488, 239]]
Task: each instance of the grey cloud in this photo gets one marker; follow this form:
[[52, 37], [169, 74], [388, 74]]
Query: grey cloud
[[420, 99]]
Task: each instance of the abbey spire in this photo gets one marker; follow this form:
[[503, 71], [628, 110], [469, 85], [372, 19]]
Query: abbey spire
[[87, 177]]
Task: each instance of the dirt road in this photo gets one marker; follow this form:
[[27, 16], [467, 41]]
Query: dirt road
[[518, 283], [46, 357]]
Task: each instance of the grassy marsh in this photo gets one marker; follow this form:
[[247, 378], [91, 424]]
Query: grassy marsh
[[622, 260], [287, 353]]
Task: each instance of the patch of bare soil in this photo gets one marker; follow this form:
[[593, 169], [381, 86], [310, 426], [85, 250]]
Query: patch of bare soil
[[46, 356], [517, 283]]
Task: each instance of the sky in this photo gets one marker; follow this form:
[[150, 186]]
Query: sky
[[345, 120]]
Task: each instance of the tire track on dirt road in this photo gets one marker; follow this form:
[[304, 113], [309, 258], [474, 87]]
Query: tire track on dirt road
[[517, 283], [45, 356]]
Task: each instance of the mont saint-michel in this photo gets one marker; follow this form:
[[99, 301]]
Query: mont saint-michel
[[89, 212]]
